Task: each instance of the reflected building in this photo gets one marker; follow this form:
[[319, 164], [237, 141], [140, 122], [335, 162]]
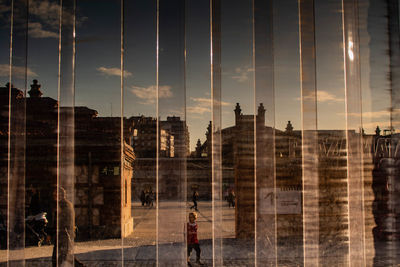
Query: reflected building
[[173, 148], [98, 175], [386, 203], [179, 131], [144, 136], [101, 186], [238, 174], [16, 101], [173, 135]]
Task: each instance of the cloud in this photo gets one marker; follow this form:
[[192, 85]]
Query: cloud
[[374, 114], [113, 71], [371, 115], [17, 71], [198, 110], [45, 18], [380, 118], [201, 105], [149, 94], [323, 97], [36, 31], [242, 74], [47, 11]]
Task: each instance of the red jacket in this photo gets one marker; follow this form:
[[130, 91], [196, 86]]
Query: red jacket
[[192, 233]]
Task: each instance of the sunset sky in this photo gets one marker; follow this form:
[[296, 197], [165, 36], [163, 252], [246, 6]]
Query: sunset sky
[[98, 36]]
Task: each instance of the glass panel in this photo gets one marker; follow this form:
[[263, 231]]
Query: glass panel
[[351, 53], [65, 189], [332, 151], [392, 181], [375, 116], [379, 72], [198, 114], [288, 135], [140, 126], [101, 214], [298, 101], [37, 154], [265, 176], [309, 133], [172, 133], [4, 116], [16, 140], [214, 134], [41, 129], [237, 133]]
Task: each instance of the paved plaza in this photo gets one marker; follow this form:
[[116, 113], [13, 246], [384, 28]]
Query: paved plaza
[[139, 249]]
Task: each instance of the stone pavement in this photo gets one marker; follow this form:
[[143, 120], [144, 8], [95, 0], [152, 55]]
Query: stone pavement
[[139, 249]]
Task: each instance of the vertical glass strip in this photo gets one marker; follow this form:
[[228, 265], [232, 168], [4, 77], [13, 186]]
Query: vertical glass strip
[[309, 133], [41, 130], [173, 141], [380, 160], [332, 150], [5, 59], [393, 167], [237, 133], [16, 140], [64, 246], [126, 152], [157, 131], [198, 114], [139, 97], [355, 184], [102, 208], [394, 57], [374, 100], [288, 139], [215, 131], [264, 125]]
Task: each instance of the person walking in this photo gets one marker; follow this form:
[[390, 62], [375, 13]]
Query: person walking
[[64, 222], [231, 198], [150, 198], [195, 197], [143, 197], [192, 241]]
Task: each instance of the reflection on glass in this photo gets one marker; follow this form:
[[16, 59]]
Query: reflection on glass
[[310, 181], [214, 140], [274, 121], [102, 158], [355, 179], [139, 109], [17, 76], [264, 95], [63, 194], [172, 134]]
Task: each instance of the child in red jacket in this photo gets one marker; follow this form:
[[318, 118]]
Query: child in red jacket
[[192, 241]]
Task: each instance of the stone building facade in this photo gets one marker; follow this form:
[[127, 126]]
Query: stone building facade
[[173, 150], [102, 190], [238, 173]]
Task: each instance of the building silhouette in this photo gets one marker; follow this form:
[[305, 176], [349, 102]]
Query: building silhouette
[[173, 149], [101, 187], [98, 175], [284, 149]]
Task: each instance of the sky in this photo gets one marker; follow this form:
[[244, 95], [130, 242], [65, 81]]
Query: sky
[[184, 85]]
